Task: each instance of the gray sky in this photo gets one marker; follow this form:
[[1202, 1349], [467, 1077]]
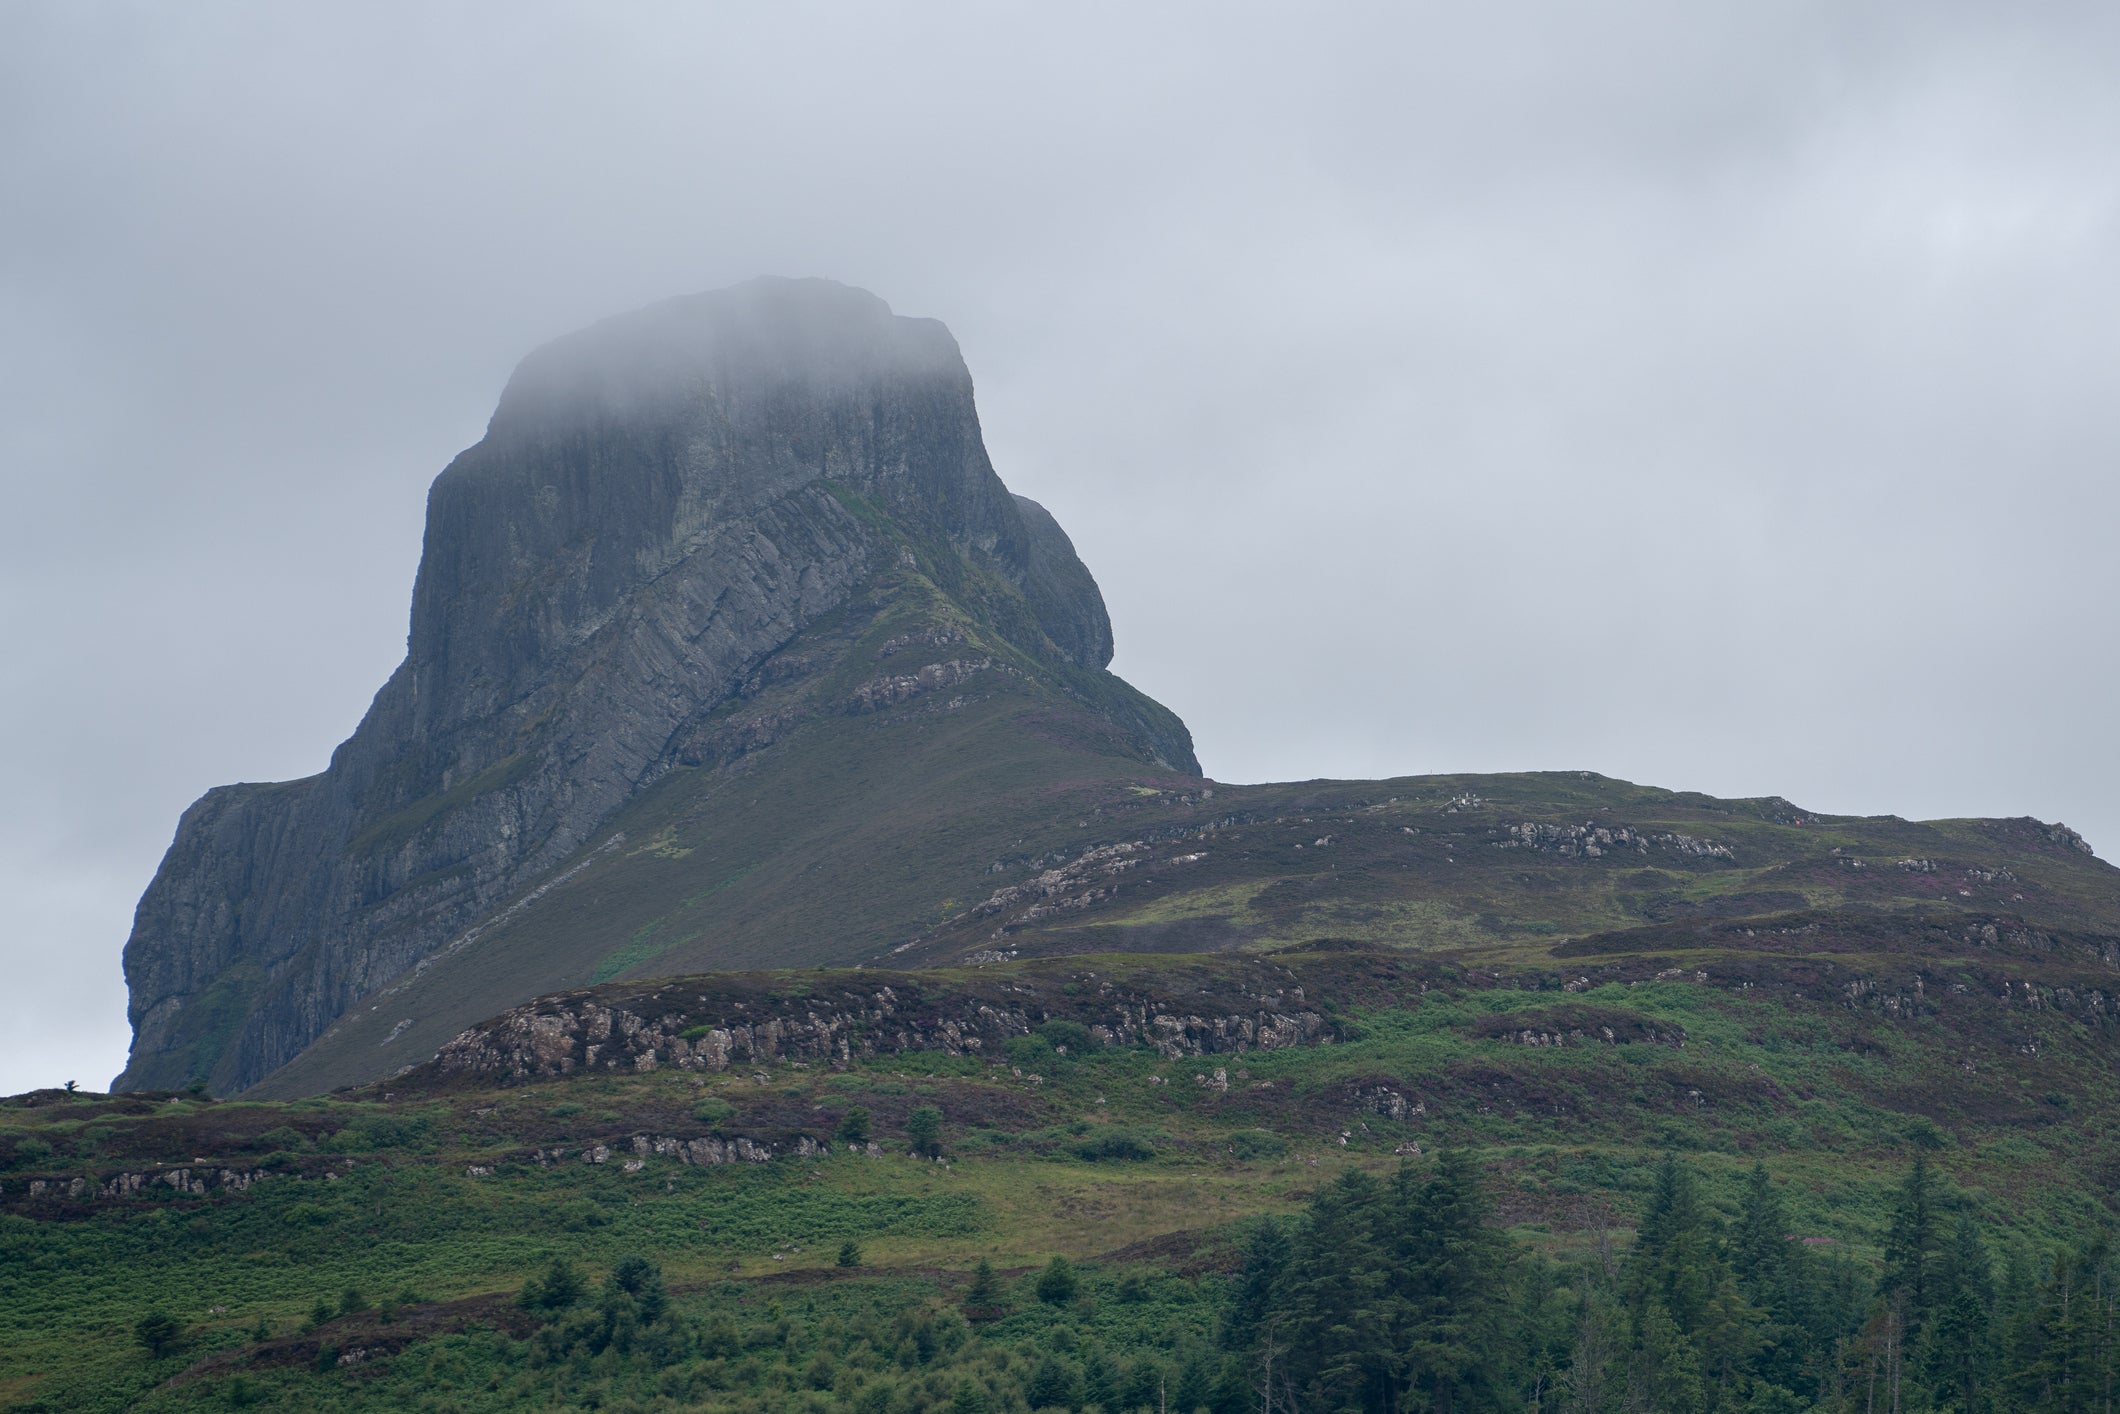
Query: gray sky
[[1715, 396]]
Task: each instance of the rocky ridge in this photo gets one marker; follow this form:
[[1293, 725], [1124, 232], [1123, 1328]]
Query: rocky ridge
[[560, 1036]]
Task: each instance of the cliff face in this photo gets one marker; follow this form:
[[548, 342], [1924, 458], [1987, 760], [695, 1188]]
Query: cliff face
[[660, 504]]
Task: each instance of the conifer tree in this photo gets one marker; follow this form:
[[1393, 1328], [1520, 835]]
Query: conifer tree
[[2065, 1357], [1956, 1350], [1448, 1291], [985, 1289], [1666, 1376], [1259, 1287], [1679, 1267], [1057, 1284], [1337, 1324], [1911, 1246], [1678, 1259], [1759, 1251]]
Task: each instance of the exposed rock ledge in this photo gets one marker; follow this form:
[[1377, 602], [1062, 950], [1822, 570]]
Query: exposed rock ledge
[[566, 1036]]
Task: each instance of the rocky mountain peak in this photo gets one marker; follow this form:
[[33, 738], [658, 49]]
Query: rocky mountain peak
[[662, 501]]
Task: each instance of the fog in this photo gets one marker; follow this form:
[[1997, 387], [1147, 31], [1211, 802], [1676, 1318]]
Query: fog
[[1715, 398]]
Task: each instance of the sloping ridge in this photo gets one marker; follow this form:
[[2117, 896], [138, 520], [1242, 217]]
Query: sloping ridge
[[739, 533]]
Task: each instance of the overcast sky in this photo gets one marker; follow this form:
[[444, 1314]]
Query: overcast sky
[[1715, 396]]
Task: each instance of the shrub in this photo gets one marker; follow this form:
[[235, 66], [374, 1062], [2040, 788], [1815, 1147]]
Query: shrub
[[854, 1126], [1114, 1145], [30, 1151], [377, 1132], [1067, 1037], [718, 1338], [849, 1254], [1030, 1053], [1249, 1144], [713, 1110], [352, 1302]]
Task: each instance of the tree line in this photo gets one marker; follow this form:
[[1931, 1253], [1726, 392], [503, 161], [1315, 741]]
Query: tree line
[[1387, 1297], [1383, 1296]]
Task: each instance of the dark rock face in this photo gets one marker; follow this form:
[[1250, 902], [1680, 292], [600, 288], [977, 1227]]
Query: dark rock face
[[659, 503], [1060, 589]]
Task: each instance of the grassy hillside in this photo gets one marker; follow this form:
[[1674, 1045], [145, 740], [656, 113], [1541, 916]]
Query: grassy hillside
[[1006, 821], [1834, 1055]]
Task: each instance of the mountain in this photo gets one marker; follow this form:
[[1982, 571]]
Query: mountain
[[730, 651], [690, 534]]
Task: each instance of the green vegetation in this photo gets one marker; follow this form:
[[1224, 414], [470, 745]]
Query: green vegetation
[[923, 1130], [1712, 1178]]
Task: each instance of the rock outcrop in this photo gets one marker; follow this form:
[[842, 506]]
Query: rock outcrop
[[660, 503], [571, 1035]]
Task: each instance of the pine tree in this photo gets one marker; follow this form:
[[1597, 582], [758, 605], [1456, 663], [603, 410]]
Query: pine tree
[[2065, 1356], [1911, 1246], [1957, 1350], [560, 1288], [985, 1289], [1680, 1268], [639, 1282], [854, 1126], [923, 1129], [1057, 1284], [1666, 1377], [1759, 1251], [1677, 1258], [1100, 1379], [1448, 1293], [1259, 1288], [1337, 1323], [1054, 1382], [157, 1333]]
